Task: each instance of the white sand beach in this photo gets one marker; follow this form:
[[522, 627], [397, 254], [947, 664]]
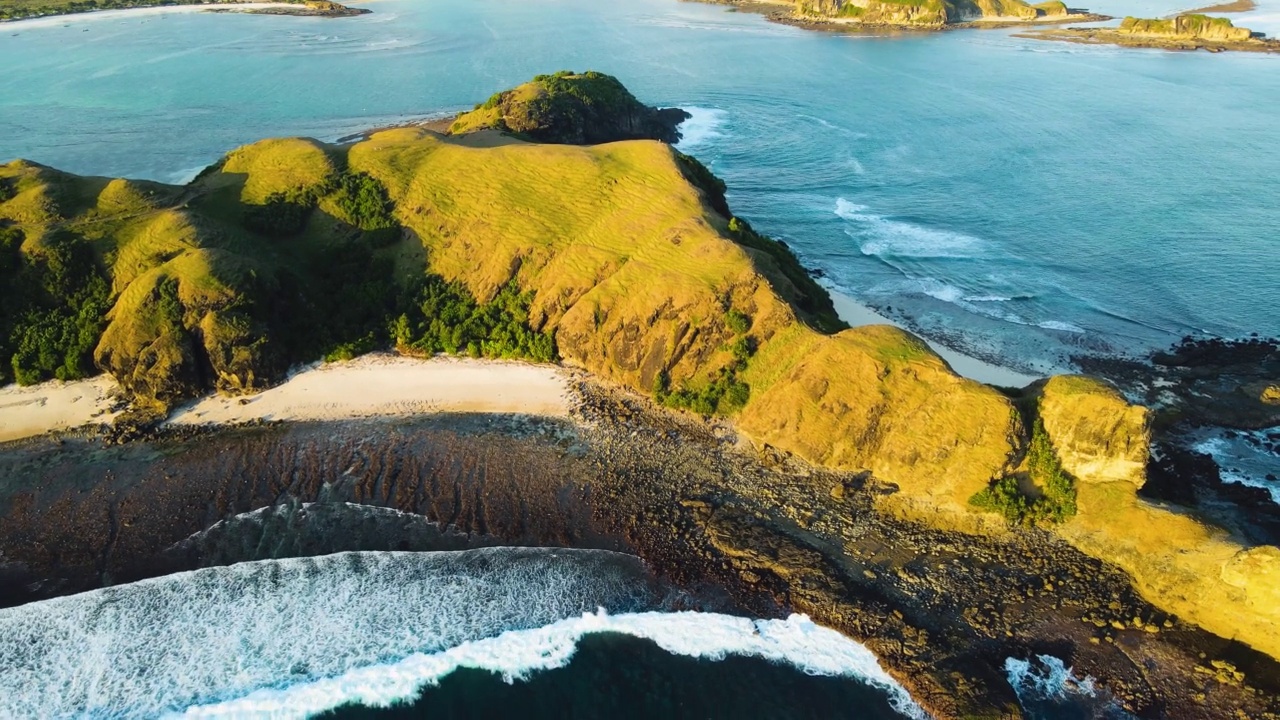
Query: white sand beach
[[856, 314], [35, 410], [140, 13], [386, 385]]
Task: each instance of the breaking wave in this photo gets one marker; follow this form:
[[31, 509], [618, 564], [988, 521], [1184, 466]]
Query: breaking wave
[[516, 654], [1047, 688], [159, 646], [290, 638], [880, 236], [702, 127]]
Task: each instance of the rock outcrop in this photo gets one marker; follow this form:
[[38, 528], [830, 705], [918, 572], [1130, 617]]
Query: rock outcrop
[[575, 109], [1199, 27], [920, 13], [1182, 32]]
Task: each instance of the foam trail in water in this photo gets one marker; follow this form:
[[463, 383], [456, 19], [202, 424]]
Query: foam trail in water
[[701, 128], [159, 646], [1245, 460], [883, 237], [797, 641]]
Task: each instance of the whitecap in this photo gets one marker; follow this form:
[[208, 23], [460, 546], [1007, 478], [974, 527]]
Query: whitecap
[[1046, 686], [703, 126], [1229, 456], [162, 645], [1062, 326], [517, 654], [885, 237]]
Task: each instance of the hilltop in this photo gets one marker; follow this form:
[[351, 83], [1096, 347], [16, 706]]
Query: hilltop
[[622, 259]]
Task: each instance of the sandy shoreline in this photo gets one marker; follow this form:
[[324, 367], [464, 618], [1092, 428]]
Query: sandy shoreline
[[139, 12], [54, 405], [379, 385], [857, 314], [386, 385]]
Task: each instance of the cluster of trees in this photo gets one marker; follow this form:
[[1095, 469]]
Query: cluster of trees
[[444, 317], [726, 393], [359, 196], [53, 307], [1057, 500]]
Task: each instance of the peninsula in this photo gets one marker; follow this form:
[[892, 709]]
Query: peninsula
[[912, 14], [710, 411], [1182, 32]]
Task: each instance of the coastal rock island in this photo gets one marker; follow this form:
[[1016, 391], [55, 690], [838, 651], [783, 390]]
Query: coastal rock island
[[925, 14], [1181, 32], [726, 425]]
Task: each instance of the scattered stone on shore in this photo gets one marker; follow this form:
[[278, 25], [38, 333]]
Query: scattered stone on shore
[[754, 532]]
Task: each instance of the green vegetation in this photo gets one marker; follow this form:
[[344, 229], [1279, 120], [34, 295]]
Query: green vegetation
[[53, 306], [726, 393], [813, 302], [445, 318], [574, 109], [1056, 502]]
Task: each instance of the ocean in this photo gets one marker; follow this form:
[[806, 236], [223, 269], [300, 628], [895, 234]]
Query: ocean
[[1019, 200]]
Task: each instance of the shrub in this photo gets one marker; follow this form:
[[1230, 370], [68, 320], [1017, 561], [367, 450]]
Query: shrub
[[1057, 501], [737, 322], [280, 216], [54, 309], [365, 202]]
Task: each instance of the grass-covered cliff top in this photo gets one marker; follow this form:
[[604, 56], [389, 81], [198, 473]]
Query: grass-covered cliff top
[[1192, 26]]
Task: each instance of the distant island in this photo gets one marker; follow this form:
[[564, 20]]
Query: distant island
[[1181, 32], [912, 14], [709, 408], [11, 10]]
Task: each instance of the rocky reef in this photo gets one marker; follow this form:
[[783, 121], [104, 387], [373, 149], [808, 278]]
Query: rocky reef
[[1181, 32]]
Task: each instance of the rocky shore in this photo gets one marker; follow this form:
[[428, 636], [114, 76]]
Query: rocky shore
[[1183, 32], [757, 532]]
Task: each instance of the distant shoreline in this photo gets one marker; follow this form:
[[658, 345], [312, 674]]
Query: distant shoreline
[[298, 8], [1236, 6]]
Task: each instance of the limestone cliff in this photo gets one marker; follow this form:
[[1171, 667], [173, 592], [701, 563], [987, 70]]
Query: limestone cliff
[[1178, 561], [1200, 27], [922, 13]]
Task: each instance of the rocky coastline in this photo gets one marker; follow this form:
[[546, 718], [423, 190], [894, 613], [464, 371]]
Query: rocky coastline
[[757, 532], [832, 17], [1183, 32]]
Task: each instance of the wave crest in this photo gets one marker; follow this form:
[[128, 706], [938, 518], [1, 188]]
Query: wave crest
[[159, 646], [797, 641]]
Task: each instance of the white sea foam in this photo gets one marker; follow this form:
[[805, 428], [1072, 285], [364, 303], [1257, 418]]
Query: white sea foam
[[1062, 326], [159, 646], [289, 638], [884, 237], [702, 127], [517, 654], [1046, 686], [1229, 456]]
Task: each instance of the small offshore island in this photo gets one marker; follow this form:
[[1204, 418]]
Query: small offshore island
[[699, 403], [1182, 32], [845, 15], [12, 10]]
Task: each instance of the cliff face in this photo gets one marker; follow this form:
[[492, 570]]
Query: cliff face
[[1177, 561], [1198, 27], [919, 12]]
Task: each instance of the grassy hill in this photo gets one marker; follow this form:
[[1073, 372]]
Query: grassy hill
[[621, 258]]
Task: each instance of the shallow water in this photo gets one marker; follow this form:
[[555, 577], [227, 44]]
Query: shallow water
[[1020, 199]]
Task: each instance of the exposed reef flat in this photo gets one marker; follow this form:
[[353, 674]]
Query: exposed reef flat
[[755, 532], [1184, 32]]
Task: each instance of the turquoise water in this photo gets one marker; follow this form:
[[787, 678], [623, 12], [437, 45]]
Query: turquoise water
[[1016, 198]]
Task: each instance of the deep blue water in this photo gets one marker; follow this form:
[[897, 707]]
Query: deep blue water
[[1021, 199]]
